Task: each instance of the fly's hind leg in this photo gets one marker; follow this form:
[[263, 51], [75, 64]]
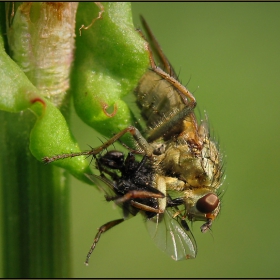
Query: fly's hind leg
[[186, 95], [170, 77], [157, 49], [101, 230]]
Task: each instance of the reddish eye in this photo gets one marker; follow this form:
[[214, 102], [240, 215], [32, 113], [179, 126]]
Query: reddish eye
[[207, 203]]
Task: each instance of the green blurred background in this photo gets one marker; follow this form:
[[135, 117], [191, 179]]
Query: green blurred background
[[231, 52]]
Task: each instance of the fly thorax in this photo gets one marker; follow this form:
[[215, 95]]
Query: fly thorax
[[182, 163], [211, 163]]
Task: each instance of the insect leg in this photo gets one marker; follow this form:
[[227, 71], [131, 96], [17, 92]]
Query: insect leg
[[147, 148], [175, 202], [205, 227], [170, 77], [141, 164], [157, 49], [135, 194], [184, 92], [145, 208], [101, 230], [139, 194]]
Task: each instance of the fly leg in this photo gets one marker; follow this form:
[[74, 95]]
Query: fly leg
[[101, 230], [205, 227], [145, 207], [175, 202], [186, 98], [190, 101], [157, 49], [138, 194], [141, 141]]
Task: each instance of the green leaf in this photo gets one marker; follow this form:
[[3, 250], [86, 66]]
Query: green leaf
[[51, 136], [16, 90], [111, 57]]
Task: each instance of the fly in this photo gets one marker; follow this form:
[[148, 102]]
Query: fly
[[180, 174]]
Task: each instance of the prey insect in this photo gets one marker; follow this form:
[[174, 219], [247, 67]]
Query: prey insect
[[179, 176]]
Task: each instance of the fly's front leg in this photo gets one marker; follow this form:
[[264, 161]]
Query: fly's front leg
[[141, 141]]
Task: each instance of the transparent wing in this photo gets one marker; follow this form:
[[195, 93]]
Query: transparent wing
[[171, 236], [104, 184], [107, 187]]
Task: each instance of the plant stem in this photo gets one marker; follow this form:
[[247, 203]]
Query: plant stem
[[35, 198]]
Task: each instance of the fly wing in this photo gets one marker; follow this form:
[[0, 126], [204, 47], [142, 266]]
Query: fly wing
[[107, 187], [162, 100], [157, 99], [172, 235], [104, 184]]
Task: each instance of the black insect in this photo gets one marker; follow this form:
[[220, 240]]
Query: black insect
[[129, 183], [132, 185]]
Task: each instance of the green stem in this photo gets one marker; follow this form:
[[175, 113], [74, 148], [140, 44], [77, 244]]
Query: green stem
[[35, 198]]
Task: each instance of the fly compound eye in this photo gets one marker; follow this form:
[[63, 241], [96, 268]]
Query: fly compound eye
[[207, 203]]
